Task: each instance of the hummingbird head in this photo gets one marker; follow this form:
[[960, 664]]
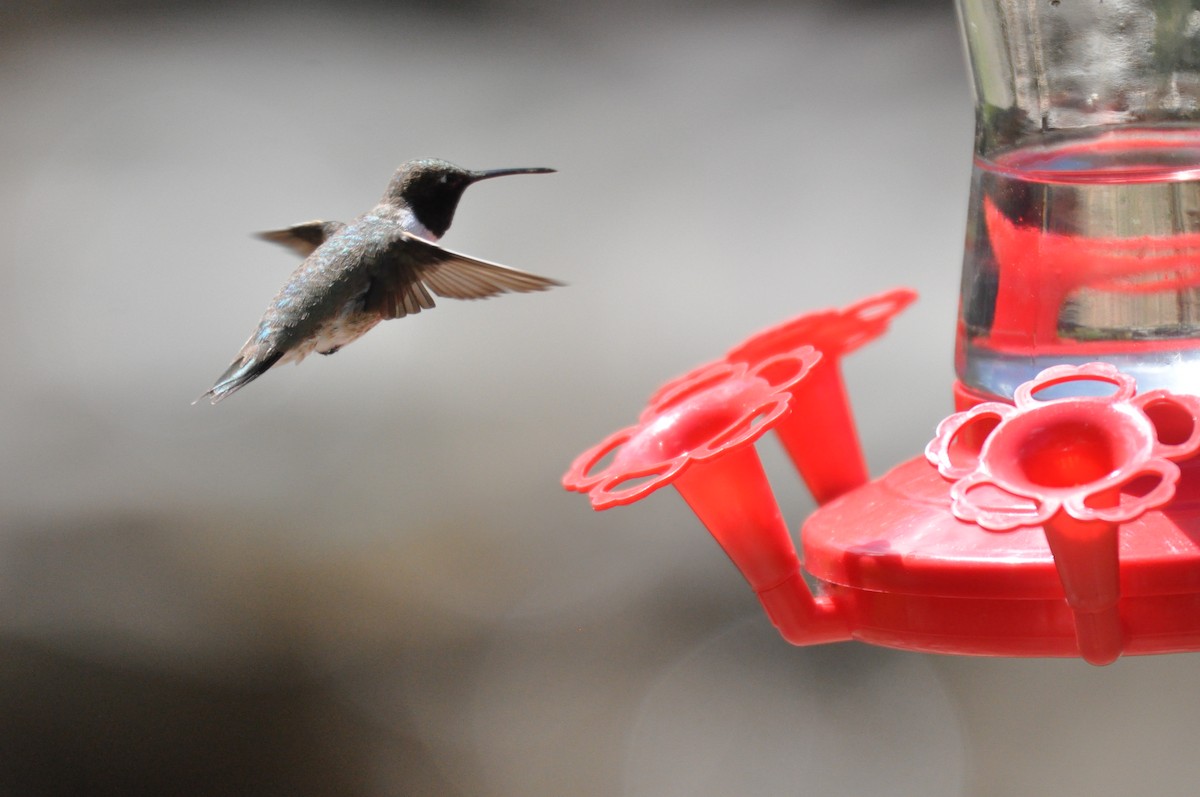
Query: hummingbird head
[[431, 189]]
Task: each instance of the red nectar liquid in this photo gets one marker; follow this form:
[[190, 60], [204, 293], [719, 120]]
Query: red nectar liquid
[[1086, 249]]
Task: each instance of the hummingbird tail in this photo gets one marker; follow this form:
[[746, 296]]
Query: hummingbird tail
[[239, 374]]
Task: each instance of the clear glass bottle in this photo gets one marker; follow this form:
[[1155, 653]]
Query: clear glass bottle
[[1083, 232]]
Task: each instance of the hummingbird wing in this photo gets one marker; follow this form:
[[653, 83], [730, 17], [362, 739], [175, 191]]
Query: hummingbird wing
[[410, 267], [303, 239]]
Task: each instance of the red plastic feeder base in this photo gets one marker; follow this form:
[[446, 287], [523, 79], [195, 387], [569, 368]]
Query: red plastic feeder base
[[905, 573], [1057, 527]]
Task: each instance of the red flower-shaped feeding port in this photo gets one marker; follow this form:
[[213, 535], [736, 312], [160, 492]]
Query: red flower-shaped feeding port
[[717, 409], [1077, 467], [698, 436]]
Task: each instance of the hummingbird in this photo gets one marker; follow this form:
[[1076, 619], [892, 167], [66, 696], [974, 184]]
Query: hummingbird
[[381, 265]]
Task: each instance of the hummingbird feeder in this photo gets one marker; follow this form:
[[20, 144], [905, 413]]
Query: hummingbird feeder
[[1057, 513]]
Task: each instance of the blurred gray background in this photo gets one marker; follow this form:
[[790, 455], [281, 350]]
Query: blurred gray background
[[360, 576]]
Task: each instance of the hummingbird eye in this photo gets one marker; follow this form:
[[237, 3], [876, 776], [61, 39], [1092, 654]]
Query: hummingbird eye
[[442, 179]]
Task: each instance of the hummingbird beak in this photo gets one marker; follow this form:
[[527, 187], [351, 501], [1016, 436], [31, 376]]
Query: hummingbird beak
[[490, 173]]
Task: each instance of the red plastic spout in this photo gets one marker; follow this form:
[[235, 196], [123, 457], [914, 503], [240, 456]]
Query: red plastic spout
[[732, 498], [820, 436], [827, 452], [1085, 555], [1078, 467], [698, 436]]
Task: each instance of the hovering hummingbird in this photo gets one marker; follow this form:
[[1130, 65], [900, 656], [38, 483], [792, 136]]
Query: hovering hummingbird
[[381, 265]]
